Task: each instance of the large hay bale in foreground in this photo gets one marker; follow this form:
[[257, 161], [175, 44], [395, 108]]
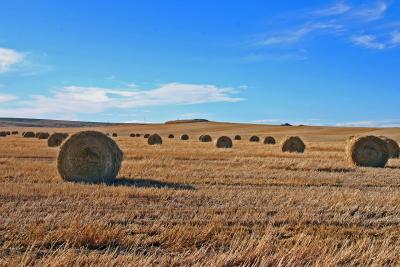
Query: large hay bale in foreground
[[367, 151], [154, 139], [43, 135], [223, 142], [269, 140], [393, 147], [184, 137], [29, 135], [90, 157], [205, 138], [293, 144], [254, 138], [171, 136], [238, 137], [146, 135], [56, 139]]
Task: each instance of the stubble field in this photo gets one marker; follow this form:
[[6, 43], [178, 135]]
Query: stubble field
[[189, 203]]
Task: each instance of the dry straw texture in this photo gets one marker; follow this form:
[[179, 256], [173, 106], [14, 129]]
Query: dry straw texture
[[293, 144], [184, 137], [89, 156], [29, 135], [154, 139], [223, 142], [56, 139], [205, 138], [254, 138], [393, 147], [269, 140], [238, 137], [367, 151]]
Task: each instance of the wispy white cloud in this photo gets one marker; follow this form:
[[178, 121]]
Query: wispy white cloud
[[368, 41], [70, 101], [336, 9], [372, 123], [371, 13], [395, 38], [7, 98], [9, 58]]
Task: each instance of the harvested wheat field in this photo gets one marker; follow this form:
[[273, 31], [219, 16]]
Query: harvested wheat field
[[192, 204]]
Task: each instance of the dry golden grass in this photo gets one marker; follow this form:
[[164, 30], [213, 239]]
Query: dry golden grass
[[189, 203]]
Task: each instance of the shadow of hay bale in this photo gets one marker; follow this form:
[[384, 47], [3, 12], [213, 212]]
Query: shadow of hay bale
[[149, 183]]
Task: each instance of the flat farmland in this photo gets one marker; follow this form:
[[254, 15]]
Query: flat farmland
[[187, 203]]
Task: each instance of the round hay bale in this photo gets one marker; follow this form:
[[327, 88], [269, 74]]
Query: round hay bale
[[184, 137], [114, 135], [43, 135], [171, 136], [132, 135], [223, 142], [293, 144], [56, 139], [254, 138], [90, 157], [154, 139], [205, 138], [238, 137], [137, 135], [392, 146], [29, 135], [367, 151], [3, 134], [146, 135], [8, 133], [14, 132], [269, 140]]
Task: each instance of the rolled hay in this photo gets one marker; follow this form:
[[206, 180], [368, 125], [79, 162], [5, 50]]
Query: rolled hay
[[132, 135], [137, 135], [154, 139], [146, 135], [238, 137], [29, 135], [8, 132], [56, 139], [293, 144], [14, 132], [223, 142], [90, 157], [205, 138], [171, 136], [367, 151], [254, 138], [3, 134], [43, 135], [184, 137], [269, 140], [114, 135], [393, 147]]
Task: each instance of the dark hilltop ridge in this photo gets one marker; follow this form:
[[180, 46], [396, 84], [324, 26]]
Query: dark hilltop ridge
[[186, 121]]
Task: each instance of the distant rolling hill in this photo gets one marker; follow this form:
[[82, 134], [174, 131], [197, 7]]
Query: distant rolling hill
[[22, 122]]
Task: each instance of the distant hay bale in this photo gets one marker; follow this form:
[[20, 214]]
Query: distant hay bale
[[29, 135], [238, 137], [223, 142], [132, 135], [90, 157], [293, 144], [154, 139], [205, 138], [3, 134], [367, 151], [8, 133], [269, 140], [43, 135], [23, 133], [171, 136], [114, 135], [56, 139], [137, 135], [392, 146], [14, 132], [184, 137], [146, 135], [254, 138]]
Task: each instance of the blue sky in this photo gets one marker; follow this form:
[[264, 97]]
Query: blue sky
[[325, 63]]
